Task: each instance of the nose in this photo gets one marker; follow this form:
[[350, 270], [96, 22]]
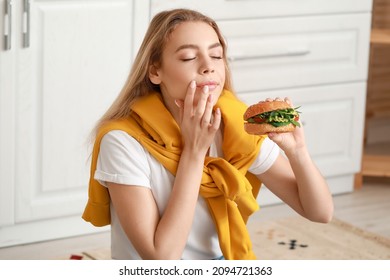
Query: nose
[[207, 66]]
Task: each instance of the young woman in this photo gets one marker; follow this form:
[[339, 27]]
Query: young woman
[[173, 170]]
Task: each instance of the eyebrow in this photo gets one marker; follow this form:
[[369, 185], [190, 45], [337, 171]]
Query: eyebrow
[[192, 46]]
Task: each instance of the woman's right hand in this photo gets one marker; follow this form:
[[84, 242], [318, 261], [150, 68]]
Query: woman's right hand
[[198, 123]]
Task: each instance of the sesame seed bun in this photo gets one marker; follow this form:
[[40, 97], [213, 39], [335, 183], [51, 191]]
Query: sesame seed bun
[[263, 107]]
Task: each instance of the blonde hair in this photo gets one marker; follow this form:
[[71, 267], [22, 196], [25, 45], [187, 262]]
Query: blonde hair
[[150, 53]]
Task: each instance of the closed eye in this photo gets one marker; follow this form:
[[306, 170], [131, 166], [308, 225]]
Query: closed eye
[[188, 59]]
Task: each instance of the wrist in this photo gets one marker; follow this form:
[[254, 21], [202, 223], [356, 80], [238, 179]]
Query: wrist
[[298, 154], [193, 154]]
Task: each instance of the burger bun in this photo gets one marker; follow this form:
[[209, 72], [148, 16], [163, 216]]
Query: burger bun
[[265, 128]]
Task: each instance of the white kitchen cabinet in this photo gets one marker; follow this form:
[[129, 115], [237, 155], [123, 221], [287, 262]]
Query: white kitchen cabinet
[[295, 52], [250, 9], [62, 64]]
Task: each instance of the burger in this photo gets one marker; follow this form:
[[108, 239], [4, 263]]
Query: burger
[[270, 116]]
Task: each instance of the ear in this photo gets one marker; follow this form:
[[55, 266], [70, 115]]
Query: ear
[[154, 75]]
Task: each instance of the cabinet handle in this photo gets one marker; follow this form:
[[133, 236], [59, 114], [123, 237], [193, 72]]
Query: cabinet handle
[[260, 56], [7, 24], [26, 23]]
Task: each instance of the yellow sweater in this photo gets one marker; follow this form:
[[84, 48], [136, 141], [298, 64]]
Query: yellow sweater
[[228, 188]]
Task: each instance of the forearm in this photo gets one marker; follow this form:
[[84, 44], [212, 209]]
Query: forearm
[[175, 225], [155, 235], [313, 192], [198, 124], [297, 181]]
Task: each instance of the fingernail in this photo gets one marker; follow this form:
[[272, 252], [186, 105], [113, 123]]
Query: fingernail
[[193, 84], [206, 89], [177, 103]]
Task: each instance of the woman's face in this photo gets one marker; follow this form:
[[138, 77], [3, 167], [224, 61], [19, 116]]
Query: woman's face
[[192, 53]]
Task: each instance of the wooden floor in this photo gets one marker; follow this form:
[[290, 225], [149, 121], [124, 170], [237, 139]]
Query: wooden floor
[[367, 208]]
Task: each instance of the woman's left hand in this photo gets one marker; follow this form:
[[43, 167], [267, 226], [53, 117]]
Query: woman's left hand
[[289, 142]]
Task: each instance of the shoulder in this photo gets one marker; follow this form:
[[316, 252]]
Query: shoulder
[[120, 147], [122, 160], [119, 139]]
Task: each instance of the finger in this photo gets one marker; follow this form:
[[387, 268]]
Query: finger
[[180, 104], [288, 100], [276, 137], [189, 99], [208, 112], [201, 106], [217, 120]]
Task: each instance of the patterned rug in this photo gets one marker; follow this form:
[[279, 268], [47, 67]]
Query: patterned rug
[[296, 238]]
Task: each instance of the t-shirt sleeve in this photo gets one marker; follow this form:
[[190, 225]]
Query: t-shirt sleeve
[[122, 160], [269, 151]]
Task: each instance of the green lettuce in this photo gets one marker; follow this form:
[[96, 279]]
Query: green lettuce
[[278, 118]]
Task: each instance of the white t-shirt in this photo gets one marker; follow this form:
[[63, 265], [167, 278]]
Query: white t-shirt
[[123, 160]]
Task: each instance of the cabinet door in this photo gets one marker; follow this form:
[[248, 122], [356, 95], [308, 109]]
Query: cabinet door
[[7, 125], [279, 53], [239, 9], [77, 59]]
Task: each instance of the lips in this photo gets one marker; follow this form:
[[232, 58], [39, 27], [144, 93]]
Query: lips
[[211, 84]]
